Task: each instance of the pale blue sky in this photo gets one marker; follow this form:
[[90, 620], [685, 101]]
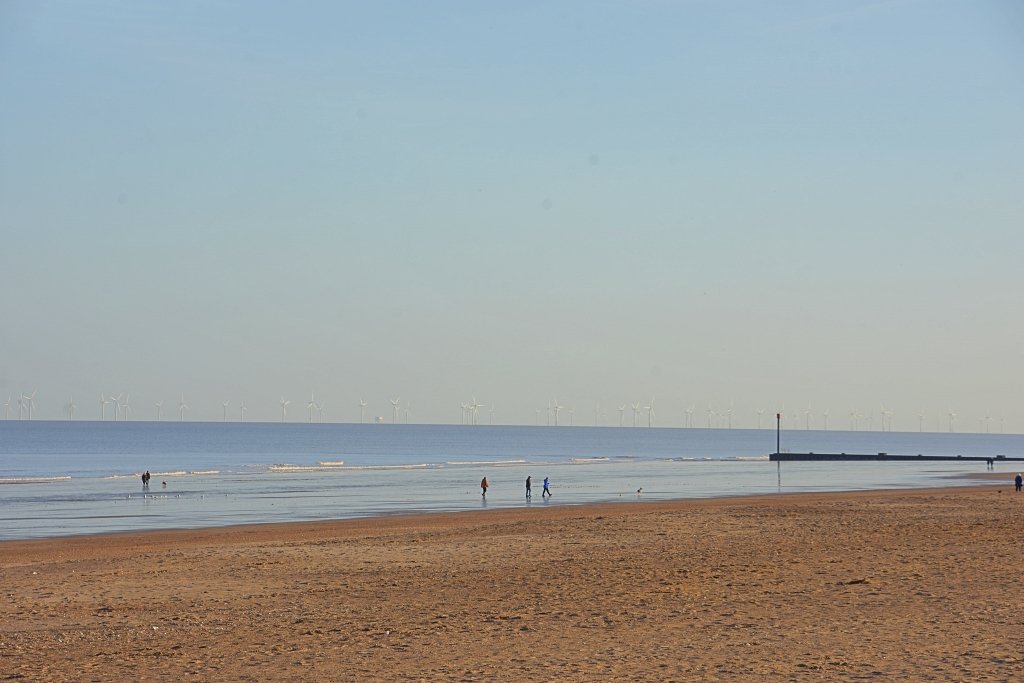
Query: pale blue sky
[[763, 203]]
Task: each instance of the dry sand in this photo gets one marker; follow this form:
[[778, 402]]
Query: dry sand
[[918, 585]]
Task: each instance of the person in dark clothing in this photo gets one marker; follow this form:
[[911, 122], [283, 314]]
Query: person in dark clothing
[[529, 490], [1018, 482]]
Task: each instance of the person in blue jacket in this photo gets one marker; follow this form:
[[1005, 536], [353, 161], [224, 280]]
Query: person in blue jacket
[[546, 491]]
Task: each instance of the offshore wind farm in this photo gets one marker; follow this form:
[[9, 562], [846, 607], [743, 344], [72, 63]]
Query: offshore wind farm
[[643, 415]]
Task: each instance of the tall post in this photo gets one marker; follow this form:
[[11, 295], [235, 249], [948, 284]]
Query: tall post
[[778, 430], [778, 450]]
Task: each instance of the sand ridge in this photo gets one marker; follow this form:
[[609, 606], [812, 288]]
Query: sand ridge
[[911, 585]]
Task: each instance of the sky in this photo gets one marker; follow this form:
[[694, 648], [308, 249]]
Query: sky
[[799, 206]]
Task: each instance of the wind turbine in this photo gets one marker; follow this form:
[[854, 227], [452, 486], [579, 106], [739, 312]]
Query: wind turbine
[[311, 406], [394, 409], [362, 410], [408, 407], [760, 414], [21, 406], [952, 419], [476, 410], [284, 408], [728, 415], [824, 417], [650, 413], [103, 407], [572, 416], [711, 413], [159, 409], [71, 407], [465, 413], [224, 405], [7, 408], [182, 407], [320, 410], [31, 398], [556, 408], [920, 421], [636, 412], [807, 416], [689, 416], [126, 407], [622, 410], [853, 420], [116, 400], [241, 412]]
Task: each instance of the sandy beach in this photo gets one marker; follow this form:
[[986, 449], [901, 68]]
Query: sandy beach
[[904, 585]]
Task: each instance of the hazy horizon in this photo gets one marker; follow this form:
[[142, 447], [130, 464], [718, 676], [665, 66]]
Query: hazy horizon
[[326, 411], [781, 204]]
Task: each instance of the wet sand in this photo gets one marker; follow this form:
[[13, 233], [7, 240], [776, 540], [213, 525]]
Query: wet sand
[[906, 585]]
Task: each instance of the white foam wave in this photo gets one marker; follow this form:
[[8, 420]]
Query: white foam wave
[[338, 468], [32, 480], [298, 468], [176, 473], [421, 466], [588, 461], [331, 463], [478, 463]]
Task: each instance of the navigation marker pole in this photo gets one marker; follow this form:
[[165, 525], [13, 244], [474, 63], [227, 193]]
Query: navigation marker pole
[[778, 427], [778, 451]]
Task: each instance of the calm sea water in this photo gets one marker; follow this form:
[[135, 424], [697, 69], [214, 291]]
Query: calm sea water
[[60, 478]]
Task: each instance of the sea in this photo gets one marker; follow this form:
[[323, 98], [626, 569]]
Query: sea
[[60, 478]]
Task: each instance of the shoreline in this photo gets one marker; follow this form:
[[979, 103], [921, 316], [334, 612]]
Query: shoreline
[[231, 530], [985, 480]]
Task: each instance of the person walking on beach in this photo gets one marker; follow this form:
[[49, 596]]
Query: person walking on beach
[[546, 491], [483, 487], [529, 490], [1018, 482]]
